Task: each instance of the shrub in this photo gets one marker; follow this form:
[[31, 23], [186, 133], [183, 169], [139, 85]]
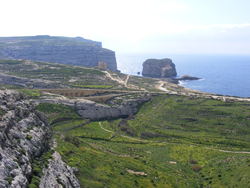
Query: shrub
[[196, 168], [28, 137], [192, 161], [32, 186]]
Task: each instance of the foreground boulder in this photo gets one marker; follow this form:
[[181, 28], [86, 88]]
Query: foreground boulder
[[159, 68], [58, 174], [24, 137]]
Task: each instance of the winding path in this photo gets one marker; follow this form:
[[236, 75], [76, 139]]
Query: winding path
[[123, 82], [131, 138], [120, 81]]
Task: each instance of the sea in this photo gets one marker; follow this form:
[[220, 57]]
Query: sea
[[220, 74]]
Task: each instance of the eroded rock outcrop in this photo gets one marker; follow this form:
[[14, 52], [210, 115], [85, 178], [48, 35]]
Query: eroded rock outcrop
[[24, 136], [27, 83], [66, 50], [159, 68], [95, 111], [58, 174]]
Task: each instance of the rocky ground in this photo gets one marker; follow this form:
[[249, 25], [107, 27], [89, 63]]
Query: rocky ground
[[24, 136], [29, 157]]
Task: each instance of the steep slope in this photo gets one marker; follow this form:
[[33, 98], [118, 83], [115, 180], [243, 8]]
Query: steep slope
[[66, 50], [24, 140]]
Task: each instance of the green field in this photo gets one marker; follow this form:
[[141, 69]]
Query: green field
[[173, 141], [66, 76]]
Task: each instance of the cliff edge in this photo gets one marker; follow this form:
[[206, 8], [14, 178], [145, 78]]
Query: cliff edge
[[66, 50]]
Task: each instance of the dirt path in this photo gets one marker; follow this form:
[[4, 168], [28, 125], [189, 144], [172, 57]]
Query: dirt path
[[123, 82], [226, 151], [131, 138], [190, 92], [120, 81], [135, 139], [160, 86], [126, 81]]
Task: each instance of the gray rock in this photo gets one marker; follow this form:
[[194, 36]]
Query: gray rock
[[95, 111], [28, 83], [66, 50], [187, 77], [58, 174], [25, 135], [159, 68]]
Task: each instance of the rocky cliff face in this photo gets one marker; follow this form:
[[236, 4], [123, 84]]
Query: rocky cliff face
[[58, 174], [24, 135], [73, 51], [94, 111], [27, 83], [159, 68]]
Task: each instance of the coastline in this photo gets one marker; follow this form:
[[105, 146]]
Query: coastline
[[218, 70], [185, 91]]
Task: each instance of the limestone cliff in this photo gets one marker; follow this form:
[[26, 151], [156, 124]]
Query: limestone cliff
[[95, 111], [24, 136], [66, 50]]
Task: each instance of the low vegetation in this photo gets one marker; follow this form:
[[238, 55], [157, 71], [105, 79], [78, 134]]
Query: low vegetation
[[37, 168], [2, 112], [32, 93], [173, 141], [57, 112]]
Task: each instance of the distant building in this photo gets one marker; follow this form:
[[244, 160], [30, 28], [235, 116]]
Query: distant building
[[102, 65]]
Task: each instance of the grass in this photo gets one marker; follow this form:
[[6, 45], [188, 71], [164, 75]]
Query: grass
[[72, 76], [175, 140], [57, 112], [93, 86], [33, 93], [37, 168], [2, 112], [10, 62], [61, 74]]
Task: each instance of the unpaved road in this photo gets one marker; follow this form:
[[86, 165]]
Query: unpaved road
[[135, 139], [131, 138]]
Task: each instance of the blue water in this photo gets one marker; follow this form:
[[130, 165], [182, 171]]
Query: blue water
[[221, 74]]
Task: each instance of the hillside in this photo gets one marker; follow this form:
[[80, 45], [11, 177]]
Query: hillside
[[107, 129], [66, 50]]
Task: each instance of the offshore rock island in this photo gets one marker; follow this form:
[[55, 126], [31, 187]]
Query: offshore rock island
[[159, 68], [164, 69]]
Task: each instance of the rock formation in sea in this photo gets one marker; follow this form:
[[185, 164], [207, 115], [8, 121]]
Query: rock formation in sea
[[187, 77], [66, 50], [159, 68]]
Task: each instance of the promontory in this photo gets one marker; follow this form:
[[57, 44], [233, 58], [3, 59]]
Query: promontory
[[66, 50]]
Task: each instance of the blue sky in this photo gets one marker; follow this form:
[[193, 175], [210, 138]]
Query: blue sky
[[137, 26]]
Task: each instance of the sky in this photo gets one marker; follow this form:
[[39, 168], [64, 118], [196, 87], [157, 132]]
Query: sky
[[136, 26]]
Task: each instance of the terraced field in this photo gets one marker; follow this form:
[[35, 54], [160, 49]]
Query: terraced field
[[173, 141]]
